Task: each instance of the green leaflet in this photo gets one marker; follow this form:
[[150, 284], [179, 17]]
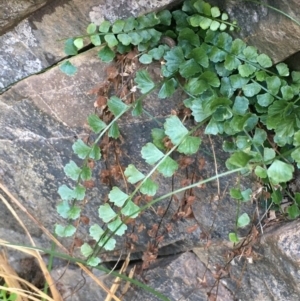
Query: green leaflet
[[199, 54], [78, 43], [189, 146], [86, 173], [233, 237], [124, 38], [95, 39], [164, 17], [145, 59], [273, 84], [238, 159], [175, 129], [114, 131], [293, 211], [168, 88], [174, 58], [145, 83], [117, 196], [151, 154], [243, 220], [95, 152], [246, 70], [130, 209], [117, 226], [168, 167], [68, 68], [79, 192], [137, 108], [111, 40], [149, 187], [264, 60], [189, 68], [81, 149], [130, 24], [106, 54], [250, 54], [95, 123], [118, 26], [190, 36], [96, 232], [283, 69], [86, 250], [106, 213], [237, 47], [65, 231], [196, 86], [65, 193], [260, 172], [280, 172], [251, 89], [240, 106], [63, 209], [70, 48], [91, 28], [72, 170], [107, 243], [133, 174], [157, 52], [104, 26], [116, 105], [158, 135]]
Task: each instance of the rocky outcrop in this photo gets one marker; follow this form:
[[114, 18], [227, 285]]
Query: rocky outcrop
[[272, 32], [43, 112]]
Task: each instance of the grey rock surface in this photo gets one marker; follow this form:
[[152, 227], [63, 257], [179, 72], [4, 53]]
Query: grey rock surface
[[13, 11], [43, 112], [180, 277], [36, 43], [269, 272], [270, 31], [41, 118]]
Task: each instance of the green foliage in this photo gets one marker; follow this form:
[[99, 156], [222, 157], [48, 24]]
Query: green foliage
[[68, 68], [144, 82], [7, 296], [231, 89]]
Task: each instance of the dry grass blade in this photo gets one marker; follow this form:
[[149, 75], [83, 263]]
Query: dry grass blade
[[39, 224], [32, 294], [8, 274], [36, 254], [127, 285], [56, 295], [117, 281], [89, 273]]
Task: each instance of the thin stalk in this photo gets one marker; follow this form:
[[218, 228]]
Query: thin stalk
[[50, 264], [148, 205], [276, 9], [100, 268]]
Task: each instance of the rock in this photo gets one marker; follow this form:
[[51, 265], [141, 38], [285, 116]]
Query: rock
[[36, 43], [12, 14], [267, 271], [270, 31], [293, 61], [41, 117], [74, 282], [39, 132], [43, 112], [179, 277]]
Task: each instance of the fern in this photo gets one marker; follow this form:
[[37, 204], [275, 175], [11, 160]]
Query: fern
[[230, 88]]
